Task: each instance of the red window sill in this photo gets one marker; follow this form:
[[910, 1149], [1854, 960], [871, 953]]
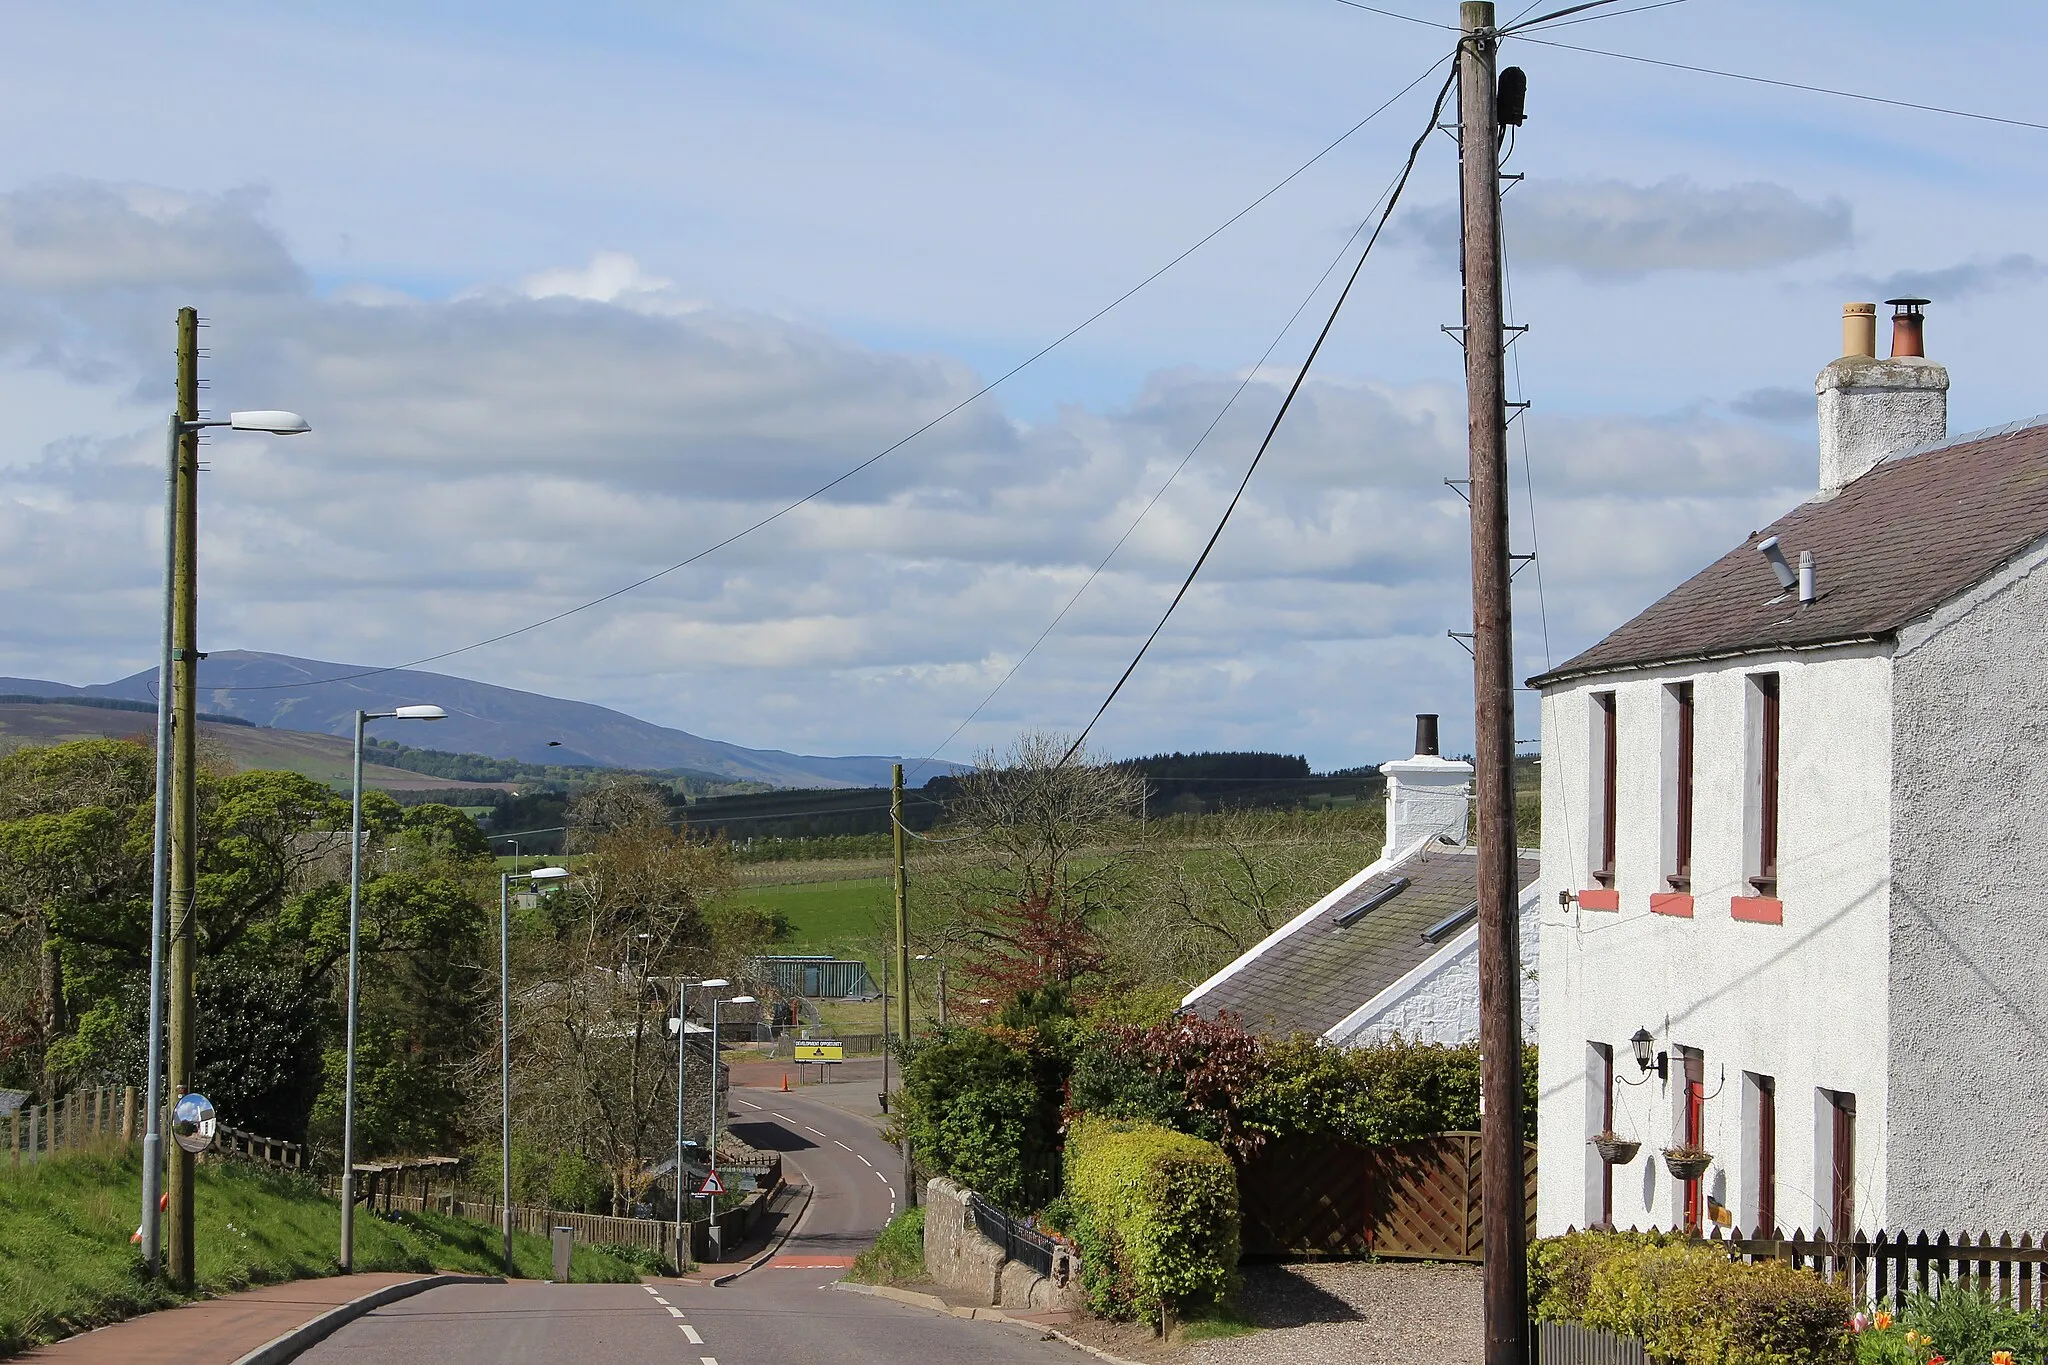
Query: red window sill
[[1672, 903], [1595, 898], [1758, 909]]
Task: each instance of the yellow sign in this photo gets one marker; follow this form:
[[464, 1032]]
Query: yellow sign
[[820, 1052]]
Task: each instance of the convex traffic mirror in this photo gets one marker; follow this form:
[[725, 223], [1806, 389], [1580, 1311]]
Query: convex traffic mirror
[[193, 1123]]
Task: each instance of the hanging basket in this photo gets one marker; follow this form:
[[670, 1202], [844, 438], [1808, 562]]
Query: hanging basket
[[1614, 1149], [1687, 1163]]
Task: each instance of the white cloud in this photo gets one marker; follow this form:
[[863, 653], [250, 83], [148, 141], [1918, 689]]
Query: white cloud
[[484, 461]]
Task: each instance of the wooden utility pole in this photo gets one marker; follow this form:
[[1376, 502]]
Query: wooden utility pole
[[183, 682], [1502, 1196], [902, 907]]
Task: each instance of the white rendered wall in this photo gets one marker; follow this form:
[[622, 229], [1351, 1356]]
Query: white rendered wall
[[1969, 995], [1438, 1002], [1802, 1001]]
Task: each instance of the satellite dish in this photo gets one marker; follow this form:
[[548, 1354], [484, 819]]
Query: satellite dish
[[193, 1123]]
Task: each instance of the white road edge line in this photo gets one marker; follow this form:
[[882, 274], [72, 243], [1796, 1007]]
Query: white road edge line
[[691, 1333]]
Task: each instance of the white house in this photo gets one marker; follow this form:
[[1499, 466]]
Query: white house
[[1395, 949], [1793, 842]]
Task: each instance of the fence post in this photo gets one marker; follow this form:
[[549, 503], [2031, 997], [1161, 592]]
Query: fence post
[[127, 1113], [34, 1117], [14, 1138]]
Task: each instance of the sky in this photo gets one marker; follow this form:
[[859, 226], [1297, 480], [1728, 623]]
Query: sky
[[570, 295]]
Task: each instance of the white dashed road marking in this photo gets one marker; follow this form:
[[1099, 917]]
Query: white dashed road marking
[[652, 1290], [883, 1178], [749, 1103], [708, 1360], [837, 1142], [863, 1160], [675, 1312], [808, 1129], [691, 1333], [784, 1117]]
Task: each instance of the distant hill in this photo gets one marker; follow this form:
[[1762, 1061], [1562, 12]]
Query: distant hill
[[498, 722], [324, 758]]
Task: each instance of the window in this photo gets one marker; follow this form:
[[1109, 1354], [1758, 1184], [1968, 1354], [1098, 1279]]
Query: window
[[1841, 1109], [1760, 1152], [1600, 1074], [1678, 788], [1763, 840], [1605, 763]]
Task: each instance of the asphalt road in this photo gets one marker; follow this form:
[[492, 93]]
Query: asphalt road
[[785, 1313]]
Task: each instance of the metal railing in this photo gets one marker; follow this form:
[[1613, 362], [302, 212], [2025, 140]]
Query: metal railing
[[1027, 1246], [1571, 1343]]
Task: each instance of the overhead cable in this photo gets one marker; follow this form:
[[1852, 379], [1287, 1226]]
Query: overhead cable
[[1401, 183]]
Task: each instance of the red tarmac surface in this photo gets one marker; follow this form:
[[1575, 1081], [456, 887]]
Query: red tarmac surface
[[213, 1331]]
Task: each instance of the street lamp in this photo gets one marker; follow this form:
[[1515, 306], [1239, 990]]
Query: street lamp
[[505, 880], [716, 1105], [180, 573], [933, 957], [681, 1026], [355, 899]]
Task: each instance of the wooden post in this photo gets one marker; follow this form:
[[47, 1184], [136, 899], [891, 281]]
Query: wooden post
[[179, 1252], [14, 1138], [127, 1114], [1504, 1233]]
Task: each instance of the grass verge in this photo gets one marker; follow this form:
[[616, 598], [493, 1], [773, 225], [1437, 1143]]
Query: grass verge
[[897, 1257], [66, 1264]]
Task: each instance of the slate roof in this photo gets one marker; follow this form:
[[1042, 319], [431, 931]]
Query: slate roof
[[1913, 533], [1311, 980]]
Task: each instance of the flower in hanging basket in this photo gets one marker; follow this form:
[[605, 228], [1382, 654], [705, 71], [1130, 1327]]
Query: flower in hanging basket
[[1615, 1149], [1686, 1162]]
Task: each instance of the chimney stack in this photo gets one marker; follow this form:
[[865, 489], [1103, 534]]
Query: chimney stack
[[1427, 795], [1872, 409]]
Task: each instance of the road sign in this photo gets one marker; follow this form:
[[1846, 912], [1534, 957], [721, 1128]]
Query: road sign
[[820, 1050], [711, 1185]]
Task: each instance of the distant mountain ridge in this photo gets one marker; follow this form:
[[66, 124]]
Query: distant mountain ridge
[[500, 722]]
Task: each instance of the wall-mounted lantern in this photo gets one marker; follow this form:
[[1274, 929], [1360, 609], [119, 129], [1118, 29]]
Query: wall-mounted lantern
[[1646, 1055]]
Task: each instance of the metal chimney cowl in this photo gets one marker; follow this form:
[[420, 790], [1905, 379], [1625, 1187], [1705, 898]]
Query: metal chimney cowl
[[1872, 409], [1427, 795]]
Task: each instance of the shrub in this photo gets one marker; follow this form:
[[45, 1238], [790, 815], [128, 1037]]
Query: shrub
[[981, 1107], [1155, 1215], [1688, 1302], [897, 1257], [646, 1260]]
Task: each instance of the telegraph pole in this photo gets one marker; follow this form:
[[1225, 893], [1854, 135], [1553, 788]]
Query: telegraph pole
[[902, 956], [1503, 1201], [183, 682]]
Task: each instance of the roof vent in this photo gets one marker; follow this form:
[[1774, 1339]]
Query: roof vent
[[1425, 736], [1344, 919]]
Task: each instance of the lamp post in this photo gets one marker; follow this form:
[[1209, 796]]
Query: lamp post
[[505, 880], [174, 858], [716, 1104], [355, 917], [933, 957], [682, 1029]]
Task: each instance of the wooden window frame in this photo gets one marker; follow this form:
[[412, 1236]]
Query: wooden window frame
[[1607, 1126], [1769, 749], [1610, 772], [1679, 878], [1842, 1192], [1766, 1156]]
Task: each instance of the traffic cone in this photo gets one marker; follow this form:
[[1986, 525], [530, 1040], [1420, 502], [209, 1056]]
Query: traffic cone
[[785, 1080]]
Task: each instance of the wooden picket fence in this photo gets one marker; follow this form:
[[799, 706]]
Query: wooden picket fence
[[1419, 1199], [81, 1121]]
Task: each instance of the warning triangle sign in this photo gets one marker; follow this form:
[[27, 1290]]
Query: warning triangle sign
[[711, 1185]]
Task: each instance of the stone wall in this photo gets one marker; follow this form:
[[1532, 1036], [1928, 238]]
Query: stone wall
[[958, 1257]]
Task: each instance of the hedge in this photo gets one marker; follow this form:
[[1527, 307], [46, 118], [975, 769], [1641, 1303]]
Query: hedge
[[1688, 1302], [1155, 1214]]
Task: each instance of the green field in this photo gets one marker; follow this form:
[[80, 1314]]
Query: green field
[[826, 916], [66, 1265]]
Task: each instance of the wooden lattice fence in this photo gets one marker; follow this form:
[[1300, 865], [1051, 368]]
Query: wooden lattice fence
[[1319, 1197]]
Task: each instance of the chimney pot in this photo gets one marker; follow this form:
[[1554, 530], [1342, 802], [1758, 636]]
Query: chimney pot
[[1425, 736], [1859, 329], [1909, 328]]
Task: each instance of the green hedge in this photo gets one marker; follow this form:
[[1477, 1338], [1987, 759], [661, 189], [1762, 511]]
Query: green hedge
[[1687, 1302], [1155, 1213]]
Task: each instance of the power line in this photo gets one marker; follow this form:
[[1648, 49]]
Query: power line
[[1401, 183], [1390, 14], [822, 489], [1784, 85], [1514, 30], [1131, 530]]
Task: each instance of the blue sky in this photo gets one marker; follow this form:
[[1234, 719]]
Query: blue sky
[[571, 292]]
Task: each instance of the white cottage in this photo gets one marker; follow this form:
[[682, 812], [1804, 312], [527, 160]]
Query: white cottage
[[1395, 949], [1793, 849]]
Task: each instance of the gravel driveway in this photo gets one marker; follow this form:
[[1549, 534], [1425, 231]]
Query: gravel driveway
[[1357, 1313]]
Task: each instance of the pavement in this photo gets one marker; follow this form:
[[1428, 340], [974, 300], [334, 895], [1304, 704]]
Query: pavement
[[213, 1331]]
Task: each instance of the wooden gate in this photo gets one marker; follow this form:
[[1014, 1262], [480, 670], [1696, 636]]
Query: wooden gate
[[1318, 1197]]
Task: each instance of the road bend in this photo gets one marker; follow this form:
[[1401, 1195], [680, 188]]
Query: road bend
[[784, 1313]]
